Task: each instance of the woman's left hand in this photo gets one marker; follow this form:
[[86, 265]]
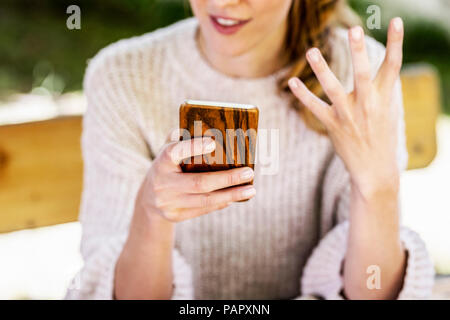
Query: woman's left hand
[[362, 125]]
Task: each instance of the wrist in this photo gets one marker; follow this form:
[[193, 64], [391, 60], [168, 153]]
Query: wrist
[[147, 222], [375, 208], [376, 187]]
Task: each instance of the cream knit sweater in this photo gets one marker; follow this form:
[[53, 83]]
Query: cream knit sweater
[[289, 240]]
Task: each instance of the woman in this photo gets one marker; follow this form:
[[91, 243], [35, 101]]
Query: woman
[[325, 223]]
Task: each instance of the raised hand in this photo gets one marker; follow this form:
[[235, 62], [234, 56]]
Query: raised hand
[[362, 125]]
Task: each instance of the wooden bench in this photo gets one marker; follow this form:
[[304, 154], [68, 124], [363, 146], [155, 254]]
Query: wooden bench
[[41, 166], [40, 173], [422, 104]]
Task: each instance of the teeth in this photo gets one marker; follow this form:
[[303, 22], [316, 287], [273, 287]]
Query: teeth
[[227, 22]]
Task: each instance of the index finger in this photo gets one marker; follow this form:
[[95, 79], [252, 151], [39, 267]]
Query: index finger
[[390, 69]]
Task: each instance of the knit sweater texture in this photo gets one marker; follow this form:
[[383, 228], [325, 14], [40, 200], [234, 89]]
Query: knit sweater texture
[[289, 240]]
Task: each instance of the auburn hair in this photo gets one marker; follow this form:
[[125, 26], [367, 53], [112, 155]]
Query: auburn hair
[[309, 25]]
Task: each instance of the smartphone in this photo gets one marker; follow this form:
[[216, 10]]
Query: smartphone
[[232, 126]]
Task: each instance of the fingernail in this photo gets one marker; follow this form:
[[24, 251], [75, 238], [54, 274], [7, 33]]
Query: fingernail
[[398, 24], [246, 174], [208, 144], [293, 83], [313, 55], [356, 33], [249, 192]]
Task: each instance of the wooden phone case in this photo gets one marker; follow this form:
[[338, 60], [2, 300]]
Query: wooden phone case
[[236, 123]]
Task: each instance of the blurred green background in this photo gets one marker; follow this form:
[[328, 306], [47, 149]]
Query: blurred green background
[[36, 48], [35, 42]]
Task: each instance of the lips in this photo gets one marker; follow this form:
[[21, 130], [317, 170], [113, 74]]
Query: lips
[[227, 26]]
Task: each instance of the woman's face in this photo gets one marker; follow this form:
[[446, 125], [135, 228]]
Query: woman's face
[[233, 27]]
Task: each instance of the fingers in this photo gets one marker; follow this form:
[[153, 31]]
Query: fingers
[[185, 214], [318, 107], [214, 198], [361, 64], [204, 204], [176, 152], [390, 69], [210, 181], [330, 84]]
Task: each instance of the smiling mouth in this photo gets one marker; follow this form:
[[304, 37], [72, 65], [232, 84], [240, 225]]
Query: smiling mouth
[[227, 25]]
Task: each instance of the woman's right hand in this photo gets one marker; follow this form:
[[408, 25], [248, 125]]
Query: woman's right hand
[[166, 196], [176, 196]]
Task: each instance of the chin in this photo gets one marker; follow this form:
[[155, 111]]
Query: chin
[[225, 45], [228, 48]]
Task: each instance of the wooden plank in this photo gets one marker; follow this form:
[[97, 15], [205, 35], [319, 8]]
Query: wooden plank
[[421, 97], [40, 173]]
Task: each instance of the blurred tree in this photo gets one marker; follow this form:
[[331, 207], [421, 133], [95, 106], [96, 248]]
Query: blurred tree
[[34, 34]]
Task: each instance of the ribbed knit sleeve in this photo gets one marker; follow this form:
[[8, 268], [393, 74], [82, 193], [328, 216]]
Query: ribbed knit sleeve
[[322, 273], [116, 160]]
